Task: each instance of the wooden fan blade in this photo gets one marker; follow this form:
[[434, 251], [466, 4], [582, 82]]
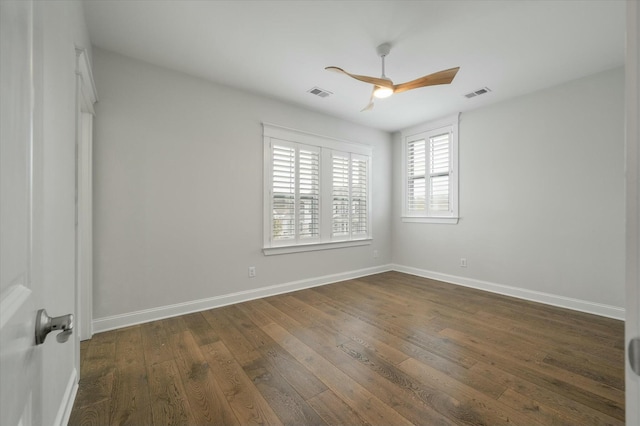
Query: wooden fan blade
[[371, 80], [440, 77], [369, 106]]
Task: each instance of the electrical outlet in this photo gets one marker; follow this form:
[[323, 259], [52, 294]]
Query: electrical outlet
[[375, 253], [252, 271], [463, 262]]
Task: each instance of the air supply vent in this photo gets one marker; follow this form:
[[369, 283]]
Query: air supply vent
[[319, 92], [477, 93]]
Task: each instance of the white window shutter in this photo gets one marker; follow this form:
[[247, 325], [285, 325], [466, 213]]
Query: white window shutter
[[317, 192], [416, 168], [340, 195], [283, 192], [308, 194], [359, 196], [439, 170]]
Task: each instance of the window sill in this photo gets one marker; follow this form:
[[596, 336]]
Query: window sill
[[270, 251], [441, 220]]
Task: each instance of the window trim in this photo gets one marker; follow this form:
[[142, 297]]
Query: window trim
[[327, 146], [451, 124]]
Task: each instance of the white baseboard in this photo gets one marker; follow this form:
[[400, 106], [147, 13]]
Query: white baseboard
[[147, 315], [69, 397], [534, 296]]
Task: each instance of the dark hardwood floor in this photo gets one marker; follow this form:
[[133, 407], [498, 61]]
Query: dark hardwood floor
[[388, 349]]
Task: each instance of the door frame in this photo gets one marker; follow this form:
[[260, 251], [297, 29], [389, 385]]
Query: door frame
[[86, 96], [632, 187]]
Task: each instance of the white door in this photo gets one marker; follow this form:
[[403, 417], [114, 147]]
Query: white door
[[632, 91], [20, 365], [32, 377]]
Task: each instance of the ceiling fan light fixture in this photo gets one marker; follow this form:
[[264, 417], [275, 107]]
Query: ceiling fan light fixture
[[383, 87], [382, 92]]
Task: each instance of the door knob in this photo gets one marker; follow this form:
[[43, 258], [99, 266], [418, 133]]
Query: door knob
[[46, 324]]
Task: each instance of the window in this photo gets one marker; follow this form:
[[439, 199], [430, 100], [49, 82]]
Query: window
[[317, 192], [430, 155], [295, 192]]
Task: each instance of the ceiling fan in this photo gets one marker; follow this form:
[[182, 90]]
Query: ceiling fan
[[383, 87]]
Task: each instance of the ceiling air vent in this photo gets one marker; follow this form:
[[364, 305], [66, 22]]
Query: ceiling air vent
[[319, 92], [477, 93]]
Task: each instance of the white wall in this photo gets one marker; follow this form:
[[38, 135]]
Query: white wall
[[541, 195], [541, 198], [62, 30], [178, 190]]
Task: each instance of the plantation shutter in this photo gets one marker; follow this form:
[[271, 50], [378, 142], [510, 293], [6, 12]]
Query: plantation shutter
[[317, 193], [439, 170], [309, 194], [428, 191], [283, 192], [340, 195], [359, 196], [416, 168]]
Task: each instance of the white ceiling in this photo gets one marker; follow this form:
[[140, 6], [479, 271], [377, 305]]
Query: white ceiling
[[280, 48]]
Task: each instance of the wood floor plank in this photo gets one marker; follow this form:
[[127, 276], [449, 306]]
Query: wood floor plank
[[96, 414], [602, 397], [351, 328], [561, 403], [533, 408], [559, 342], [499, 341], [100, 357], [174, 325], [242, 349], [130, 403], [488, 410], [327, 344], [464, 376], [358, 397], [398, 342], [413, 337], [286, 402], [208, 403], [385, 349], [586, 367], [418, 402], [410, 302], [596, 334], [394, 311], [155, 343], [561, 317], [335, 411], [84, 364], [200, 329], [415, 402], [244, 398], [273, 357], [95, 389], [488, 345], [545, 317], [169, 401]]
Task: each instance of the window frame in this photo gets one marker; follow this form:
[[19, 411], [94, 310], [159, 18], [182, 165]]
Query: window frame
[[424, 132], [326, 146]]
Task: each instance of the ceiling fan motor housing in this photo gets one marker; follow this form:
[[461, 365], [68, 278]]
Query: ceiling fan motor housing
[[384, 49]]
